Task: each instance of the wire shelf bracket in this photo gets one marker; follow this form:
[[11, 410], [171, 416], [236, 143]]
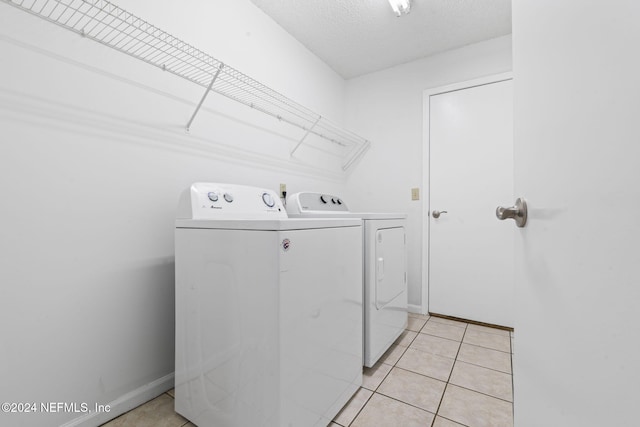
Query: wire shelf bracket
[[305, 136], [204, 96], [112, 26]]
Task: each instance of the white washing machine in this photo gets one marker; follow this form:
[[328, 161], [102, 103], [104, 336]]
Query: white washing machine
[[268, 311], [385, 270]]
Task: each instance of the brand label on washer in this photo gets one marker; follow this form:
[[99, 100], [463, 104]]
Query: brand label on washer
[[286, 243]]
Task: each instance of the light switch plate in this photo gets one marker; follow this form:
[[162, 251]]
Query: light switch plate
[[415, 194], [283, 189]]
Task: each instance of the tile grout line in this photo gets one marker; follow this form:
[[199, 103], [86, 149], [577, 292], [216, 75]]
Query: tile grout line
[[491, 348], [378, 386], [417, 373], [479, 392], [446, 383], [385, 377], [444, 338], [439, 320], [513, 388], [360, 410], [449, 419], [485, 367], [450, 373], [422, 375], [476, 391], [406, 403]]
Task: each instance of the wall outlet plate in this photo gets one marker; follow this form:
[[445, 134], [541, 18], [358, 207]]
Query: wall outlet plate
[[283, 189]]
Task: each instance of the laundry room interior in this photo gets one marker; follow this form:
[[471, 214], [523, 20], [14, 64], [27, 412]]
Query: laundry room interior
[[488, 135]]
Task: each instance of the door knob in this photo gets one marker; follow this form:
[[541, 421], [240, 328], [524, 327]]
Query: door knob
[[517, 212], [436, 214]]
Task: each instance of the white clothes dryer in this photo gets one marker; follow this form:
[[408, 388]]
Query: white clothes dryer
[[384, 263], [268, 311]]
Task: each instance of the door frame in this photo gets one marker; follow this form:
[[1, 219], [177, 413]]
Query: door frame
[[426, 168]]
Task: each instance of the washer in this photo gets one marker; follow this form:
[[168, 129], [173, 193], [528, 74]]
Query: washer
[[385, 270], [268, 311]]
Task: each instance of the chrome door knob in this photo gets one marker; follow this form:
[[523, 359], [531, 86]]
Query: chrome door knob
[[436, 214], [517, 212]]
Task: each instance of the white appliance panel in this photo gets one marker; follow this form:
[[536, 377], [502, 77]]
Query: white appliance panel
[[268, 322], [310, 203], [390, 265], [268, 224], [204, 200], [384, 265], [321, 313], [385, 300], [227, 355]]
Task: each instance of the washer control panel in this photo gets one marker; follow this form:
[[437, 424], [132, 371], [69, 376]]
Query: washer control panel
[[226, 201], [315, 202], [268, 200]]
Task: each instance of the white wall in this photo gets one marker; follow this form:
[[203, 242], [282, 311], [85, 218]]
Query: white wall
[[92, 160], [387, 108]]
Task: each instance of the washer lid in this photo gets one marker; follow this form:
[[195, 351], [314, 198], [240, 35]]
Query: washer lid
[[269, 224]]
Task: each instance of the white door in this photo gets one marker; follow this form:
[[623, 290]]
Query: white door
[[577, 162], [471, 261]]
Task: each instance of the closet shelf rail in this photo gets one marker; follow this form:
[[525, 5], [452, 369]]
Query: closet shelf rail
[[110, 25]]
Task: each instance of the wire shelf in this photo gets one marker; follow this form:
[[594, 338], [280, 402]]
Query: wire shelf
[[112, 26]]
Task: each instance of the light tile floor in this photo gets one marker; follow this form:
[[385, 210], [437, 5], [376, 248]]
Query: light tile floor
[[439, 373]]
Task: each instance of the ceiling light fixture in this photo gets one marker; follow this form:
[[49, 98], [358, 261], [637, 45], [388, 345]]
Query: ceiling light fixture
[[400, 6]]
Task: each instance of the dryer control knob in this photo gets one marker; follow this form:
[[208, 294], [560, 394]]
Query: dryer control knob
[[228, 197], [268, 200], [213, 196], [323, 199]]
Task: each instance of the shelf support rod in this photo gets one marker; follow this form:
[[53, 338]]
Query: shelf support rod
[[193, 116], [363, 149], [305, 136]]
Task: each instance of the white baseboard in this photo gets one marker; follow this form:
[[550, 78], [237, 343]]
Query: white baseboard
[[124, 403], [417, 309]]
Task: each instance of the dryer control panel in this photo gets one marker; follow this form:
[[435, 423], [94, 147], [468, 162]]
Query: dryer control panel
[[315, 202], [205, 200]]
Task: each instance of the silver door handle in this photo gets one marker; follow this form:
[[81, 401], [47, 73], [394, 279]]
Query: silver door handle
[[517, 212], [436, 214]]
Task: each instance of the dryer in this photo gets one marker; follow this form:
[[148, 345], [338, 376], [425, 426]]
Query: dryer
[[384, 267], [268, 311]]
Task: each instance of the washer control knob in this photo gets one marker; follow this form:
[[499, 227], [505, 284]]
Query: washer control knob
[[213, 196], [228, 197], [268, 200], [339, 201], [333, 201], [323, 199]]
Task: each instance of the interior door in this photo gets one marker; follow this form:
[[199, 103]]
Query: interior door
[[471, 261], [577, 162]]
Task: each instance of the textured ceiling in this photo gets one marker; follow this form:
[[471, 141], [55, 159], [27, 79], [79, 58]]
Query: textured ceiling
[[357, 37]]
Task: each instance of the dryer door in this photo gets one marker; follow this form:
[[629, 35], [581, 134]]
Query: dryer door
[[390, 265]]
